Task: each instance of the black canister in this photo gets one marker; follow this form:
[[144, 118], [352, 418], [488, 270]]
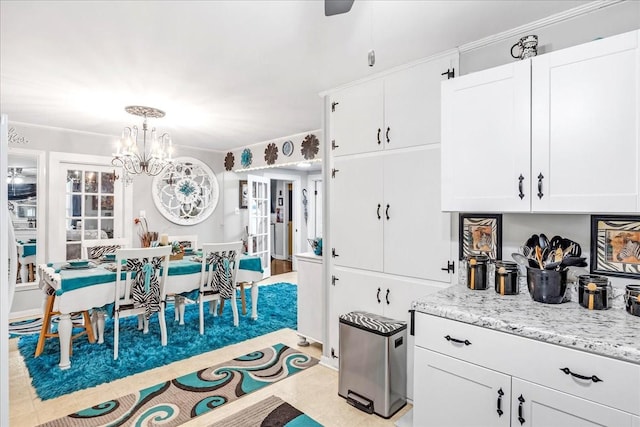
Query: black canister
[[477, 272], [506, 278], [547, 286], [632, 299], [594, 292]]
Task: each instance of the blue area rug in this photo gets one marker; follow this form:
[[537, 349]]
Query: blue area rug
[[93, 364]]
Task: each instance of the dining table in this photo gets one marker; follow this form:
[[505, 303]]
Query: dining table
[[80, 289]]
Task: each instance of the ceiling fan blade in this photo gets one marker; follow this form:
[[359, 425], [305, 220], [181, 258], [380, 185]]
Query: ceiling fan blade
[[336, 7]]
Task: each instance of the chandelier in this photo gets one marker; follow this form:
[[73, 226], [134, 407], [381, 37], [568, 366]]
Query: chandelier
[[128, 154]]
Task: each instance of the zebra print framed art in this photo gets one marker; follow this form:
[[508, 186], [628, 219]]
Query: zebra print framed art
[[615, 245], [480, 234]]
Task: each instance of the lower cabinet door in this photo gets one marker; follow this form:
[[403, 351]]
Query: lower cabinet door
[[451, 393], [533, 405]]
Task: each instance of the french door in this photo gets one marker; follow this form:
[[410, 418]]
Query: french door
[[87, 202], [259, 220]]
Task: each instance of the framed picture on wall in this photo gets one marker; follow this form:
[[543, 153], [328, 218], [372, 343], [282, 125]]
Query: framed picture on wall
[[480, 234], [615, 245], [244, 194]]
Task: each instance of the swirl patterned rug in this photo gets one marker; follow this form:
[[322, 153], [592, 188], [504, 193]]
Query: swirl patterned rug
[[174, 402]]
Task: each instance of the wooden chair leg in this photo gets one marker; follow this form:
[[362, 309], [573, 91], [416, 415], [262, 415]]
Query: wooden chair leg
[[88, 326], [45, 331], [221, 307]]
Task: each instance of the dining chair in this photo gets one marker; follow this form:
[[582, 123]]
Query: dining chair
[[217, 277], [94, 249], [187, 241], [140, 288]]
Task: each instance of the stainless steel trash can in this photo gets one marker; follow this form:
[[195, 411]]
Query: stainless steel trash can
[[373, 362]]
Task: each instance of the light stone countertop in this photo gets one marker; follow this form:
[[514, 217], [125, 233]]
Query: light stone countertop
[[612, 333]]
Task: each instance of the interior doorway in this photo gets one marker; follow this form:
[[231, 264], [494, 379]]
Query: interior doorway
[[282, 226]]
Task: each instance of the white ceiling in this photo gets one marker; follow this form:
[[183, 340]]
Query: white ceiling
[[227, 73]]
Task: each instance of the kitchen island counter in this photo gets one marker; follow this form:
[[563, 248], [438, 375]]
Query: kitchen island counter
[[612, 333]]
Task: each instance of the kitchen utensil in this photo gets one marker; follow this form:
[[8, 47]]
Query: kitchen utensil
[[632, 299], [525, 250], [520, 259], [558, 254], [543, 242], [547, 286], [538, 253], [533, 241], [594, 292], [506, 278], [555, 242]]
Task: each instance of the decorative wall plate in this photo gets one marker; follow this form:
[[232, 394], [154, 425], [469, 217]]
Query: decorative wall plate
[[229, 161], [287, 148], [271, 153], [310, 146], [246, 158], [187, 192]]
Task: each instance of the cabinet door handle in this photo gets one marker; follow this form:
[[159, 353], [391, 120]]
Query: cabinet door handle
[[521, 400], [387, 212], [379, 130], [520, 194], [451, 268], [465, 342], [499, 403], [378, 295], [593, 378], [386, 297], [540, 178], [387, 134], [379, 206]]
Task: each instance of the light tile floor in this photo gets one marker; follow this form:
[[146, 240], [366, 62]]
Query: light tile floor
[[313, 391]]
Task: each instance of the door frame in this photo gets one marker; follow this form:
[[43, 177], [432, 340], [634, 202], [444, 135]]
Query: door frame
[[296, 189], [57, 234]]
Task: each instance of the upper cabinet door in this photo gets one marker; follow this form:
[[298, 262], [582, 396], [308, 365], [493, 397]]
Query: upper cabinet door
[[585, 127], [356, 119], [412, 104], [486, 140]]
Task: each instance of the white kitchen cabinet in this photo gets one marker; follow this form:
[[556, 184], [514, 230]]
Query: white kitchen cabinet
[[382, 294], [474, 361], [537, 406], [585, 127], [486, 140], [311, 307], [547, 134], [386, 214], [401, 109], [459, 393]]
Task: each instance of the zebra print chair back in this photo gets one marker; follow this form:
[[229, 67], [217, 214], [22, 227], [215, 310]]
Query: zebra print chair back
[[94, 249], [218, 276], [140, 287]]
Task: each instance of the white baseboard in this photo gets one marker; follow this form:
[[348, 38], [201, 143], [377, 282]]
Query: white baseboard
[[13, 316]]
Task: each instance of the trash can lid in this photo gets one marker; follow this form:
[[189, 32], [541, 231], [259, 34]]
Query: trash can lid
[[373, 322]]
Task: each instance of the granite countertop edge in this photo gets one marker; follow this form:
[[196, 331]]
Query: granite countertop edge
[[451, 307]]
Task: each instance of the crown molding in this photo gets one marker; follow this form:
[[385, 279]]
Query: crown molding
[[540, 23]]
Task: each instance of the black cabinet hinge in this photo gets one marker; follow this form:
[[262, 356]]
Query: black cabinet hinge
[[333, 172], [333, 252], [333, 106], [333, 353], [334, 145], [450, 73], [334, 279]]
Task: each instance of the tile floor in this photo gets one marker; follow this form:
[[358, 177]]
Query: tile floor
[[313, 391]]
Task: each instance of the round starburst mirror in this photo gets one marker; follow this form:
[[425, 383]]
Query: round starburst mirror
[[187, 192]]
